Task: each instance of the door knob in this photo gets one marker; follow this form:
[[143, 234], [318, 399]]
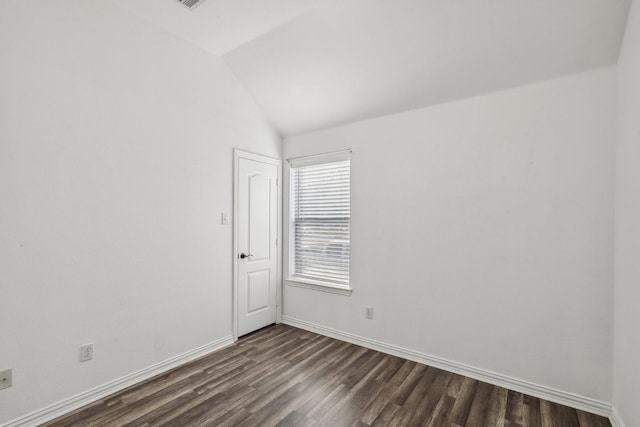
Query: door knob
[[243, 255]]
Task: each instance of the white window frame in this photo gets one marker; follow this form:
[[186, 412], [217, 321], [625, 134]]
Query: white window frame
[[306, 282]]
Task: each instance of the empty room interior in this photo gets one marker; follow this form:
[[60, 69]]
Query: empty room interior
[[320, 212]]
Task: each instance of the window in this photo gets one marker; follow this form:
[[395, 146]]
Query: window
[[319, 220]]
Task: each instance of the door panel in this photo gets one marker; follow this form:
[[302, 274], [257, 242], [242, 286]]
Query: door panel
[[256, 240], [258, 294], [259, 217]]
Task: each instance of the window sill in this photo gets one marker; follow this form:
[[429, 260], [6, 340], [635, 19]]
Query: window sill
[[319, 286]]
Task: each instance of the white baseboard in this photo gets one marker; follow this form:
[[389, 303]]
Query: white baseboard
[[65, 406], [616, 420], [536, 390]]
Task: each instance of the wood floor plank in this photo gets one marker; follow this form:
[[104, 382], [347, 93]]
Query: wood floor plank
[[234, 403], [531, 412], [435, 391], [332, 399], [360, 394], [283, 376], [198, 414], [299, 394], [567, 416], [375, 407], [546, 413], [402, 373], [364, 370], [331, 381], [479, 410], [412, 413], [303, 375], [274, 412], [455, 385], [232, 421], [406, 387], [296, 419], [591, 420], [462, 405], [386, 415], [515, 408], [497, 407], [309, 349], [440, 417], [394, 365]]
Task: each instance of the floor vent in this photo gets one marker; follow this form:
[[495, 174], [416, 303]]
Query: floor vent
[[191, 4]]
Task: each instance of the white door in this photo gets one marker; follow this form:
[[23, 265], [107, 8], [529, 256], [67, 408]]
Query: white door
[[256, 234]]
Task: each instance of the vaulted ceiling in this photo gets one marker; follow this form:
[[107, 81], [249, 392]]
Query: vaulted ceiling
[[312, 64]]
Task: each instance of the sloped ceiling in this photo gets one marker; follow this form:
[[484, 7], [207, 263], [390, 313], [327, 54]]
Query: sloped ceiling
[[312, 64], [219, 25]]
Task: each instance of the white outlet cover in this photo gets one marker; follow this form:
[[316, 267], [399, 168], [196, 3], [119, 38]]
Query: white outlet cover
[[86, 352]]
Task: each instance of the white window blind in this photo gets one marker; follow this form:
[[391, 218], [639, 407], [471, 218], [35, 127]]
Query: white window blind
[[320, 216]]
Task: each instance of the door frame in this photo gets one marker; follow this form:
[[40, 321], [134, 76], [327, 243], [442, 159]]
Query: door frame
[[235, 310]]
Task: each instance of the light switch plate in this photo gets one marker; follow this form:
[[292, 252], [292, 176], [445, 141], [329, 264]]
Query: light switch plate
[[6, 379], [368, 314]]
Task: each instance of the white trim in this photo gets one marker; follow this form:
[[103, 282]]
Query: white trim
[[72, 403], [615, 418], [235, 308], [522, 386], [320, 158], [319, 286]]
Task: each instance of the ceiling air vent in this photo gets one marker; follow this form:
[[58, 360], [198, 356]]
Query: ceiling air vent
[[190, 4]]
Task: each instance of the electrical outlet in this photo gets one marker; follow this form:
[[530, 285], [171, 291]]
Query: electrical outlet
[[86, 352], [368, 313], [6, 380]]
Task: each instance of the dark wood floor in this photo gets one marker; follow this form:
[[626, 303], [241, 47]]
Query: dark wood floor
[[283, 376]]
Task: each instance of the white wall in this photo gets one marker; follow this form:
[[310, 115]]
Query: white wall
[[115, 163], [626, 389], [482, 232]]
